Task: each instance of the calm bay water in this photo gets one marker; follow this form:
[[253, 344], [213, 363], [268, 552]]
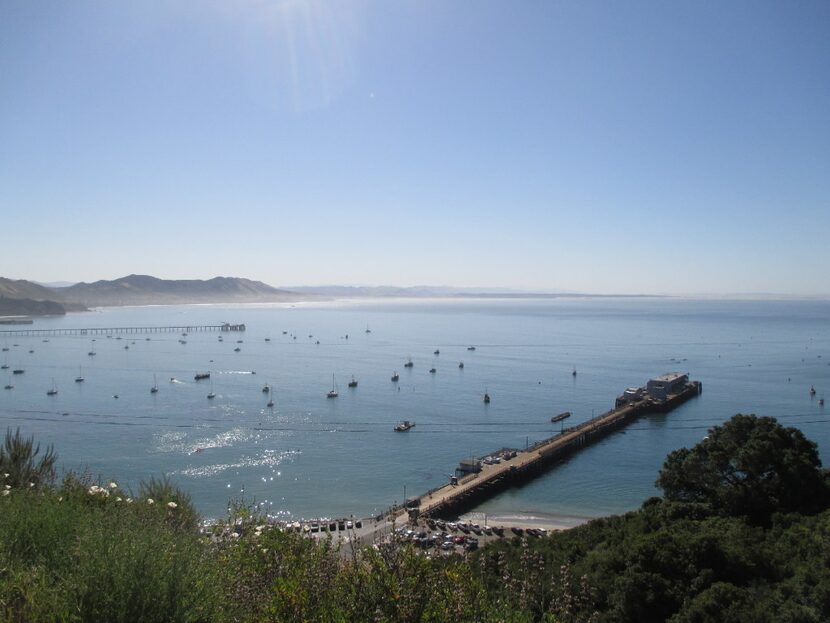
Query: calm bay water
[[312, 456]]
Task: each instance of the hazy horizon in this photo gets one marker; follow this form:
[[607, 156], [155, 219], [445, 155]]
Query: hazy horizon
[[483, 289], [591, 147]]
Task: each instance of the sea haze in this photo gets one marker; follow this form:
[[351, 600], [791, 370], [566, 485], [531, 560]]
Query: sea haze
[[312, 456]]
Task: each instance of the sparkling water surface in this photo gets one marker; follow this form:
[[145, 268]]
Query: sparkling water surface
[[311, 456]]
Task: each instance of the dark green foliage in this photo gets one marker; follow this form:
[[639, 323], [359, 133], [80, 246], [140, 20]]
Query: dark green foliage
[[162, 492], [75, 555], [18, 459], [750, 467]]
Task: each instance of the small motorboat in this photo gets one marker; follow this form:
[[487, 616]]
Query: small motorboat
[[461, 364], [471, 348], [408, 363], [812, 390], [396, 377], [353, 382], [486, 398], [266, 388], [404, 426], [437, 352], [432, 370]]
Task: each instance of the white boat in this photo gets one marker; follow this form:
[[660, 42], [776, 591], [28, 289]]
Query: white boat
[[333, 392], [211, 395]]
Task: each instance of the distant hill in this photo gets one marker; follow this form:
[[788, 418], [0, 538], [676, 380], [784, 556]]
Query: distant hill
[[22, 289], [19, 297], [147, 290], [30, 307]]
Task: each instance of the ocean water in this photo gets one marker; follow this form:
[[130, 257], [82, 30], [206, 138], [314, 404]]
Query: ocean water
[[310, 456]]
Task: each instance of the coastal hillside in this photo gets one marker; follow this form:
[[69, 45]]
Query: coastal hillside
[[22, 289], [19, 297], [30, 307], [147, 290]]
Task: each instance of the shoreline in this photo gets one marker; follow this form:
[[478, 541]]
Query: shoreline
[[551, 522]]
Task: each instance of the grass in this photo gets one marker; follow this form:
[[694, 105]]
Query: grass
[[84, 551]]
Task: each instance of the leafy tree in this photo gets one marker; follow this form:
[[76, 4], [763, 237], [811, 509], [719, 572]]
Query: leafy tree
[[18, 459], [752, 467]]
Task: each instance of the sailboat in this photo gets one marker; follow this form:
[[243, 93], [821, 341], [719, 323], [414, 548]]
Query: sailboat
[[333, 393], [270, 399], [91, 352], [5, 365], [80, 377], [9, 384], [54, 389], [155, 388], [368, 330], [211, 395]]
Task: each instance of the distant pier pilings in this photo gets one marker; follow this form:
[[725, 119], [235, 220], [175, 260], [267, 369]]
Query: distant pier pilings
[[121, 330]]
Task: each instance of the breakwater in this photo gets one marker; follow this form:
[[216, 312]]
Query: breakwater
[[517, 467]]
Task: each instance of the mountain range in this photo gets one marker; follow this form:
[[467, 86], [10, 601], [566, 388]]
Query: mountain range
[[21, 297]]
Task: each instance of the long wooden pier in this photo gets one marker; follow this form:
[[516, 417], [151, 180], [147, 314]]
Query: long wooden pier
[[117, 330], [453, 499]]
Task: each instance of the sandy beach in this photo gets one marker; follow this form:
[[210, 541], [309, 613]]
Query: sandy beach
[[526, 520]]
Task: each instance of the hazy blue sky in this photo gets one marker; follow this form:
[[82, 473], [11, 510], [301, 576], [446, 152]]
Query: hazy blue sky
[[662, 147]]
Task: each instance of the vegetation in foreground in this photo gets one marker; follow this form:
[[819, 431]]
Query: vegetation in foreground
[[741, 534]]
